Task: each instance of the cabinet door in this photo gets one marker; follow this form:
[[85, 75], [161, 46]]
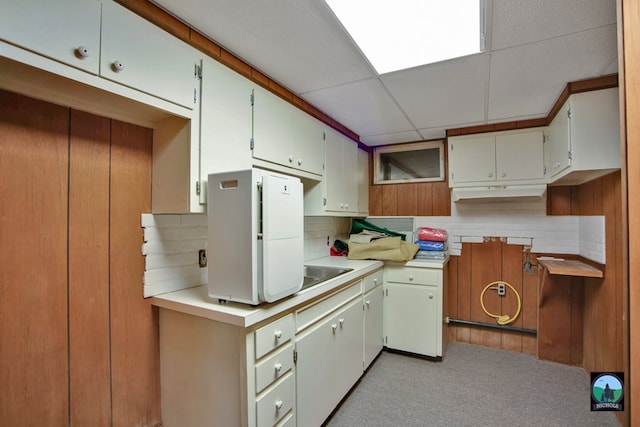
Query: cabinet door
[[272, 128], [472, 159], [341, 173], [411, 318], [315, 397], [363, 183], [65, 30], [140, 55], [519, 156], [307, 135], [349, 343], [225, 121], [372, 325], [558, 144]]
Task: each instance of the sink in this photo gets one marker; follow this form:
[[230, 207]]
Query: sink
[[314, 274]]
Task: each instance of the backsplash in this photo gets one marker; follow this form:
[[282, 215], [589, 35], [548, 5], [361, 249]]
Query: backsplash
[[577, 235], [172, 242]]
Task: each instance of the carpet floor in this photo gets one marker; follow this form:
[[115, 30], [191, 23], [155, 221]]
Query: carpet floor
[[471, 386]]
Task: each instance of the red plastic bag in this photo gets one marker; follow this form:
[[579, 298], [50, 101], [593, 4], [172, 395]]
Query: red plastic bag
[[432, 234]]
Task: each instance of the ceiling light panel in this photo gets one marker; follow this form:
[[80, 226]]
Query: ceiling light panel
[[400, 34]]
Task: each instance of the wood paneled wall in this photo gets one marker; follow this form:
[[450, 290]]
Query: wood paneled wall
[[79, 344], [419, 199]]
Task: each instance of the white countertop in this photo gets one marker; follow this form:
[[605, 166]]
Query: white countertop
[[196, 301]]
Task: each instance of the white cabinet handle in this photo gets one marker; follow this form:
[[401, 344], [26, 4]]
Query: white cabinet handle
[[83, 52], [490, 174], [368, 302], [291, 159], [411, 278], [278, 334], [504, 174], [278, 404], [334, 327], [375, 280], [117, 66], [278, 367], [341, 322], [430, 296], [299, 162]]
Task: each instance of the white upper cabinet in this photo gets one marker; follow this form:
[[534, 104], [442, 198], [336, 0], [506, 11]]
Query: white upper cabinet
[[140, 55], [65, 30], [583, 140], [363, 183], [284, 135], [497, 158], [225, 121]]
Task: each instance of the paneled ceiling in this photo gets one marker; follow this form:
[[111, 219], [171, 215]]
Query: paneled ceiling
[[533, 48]]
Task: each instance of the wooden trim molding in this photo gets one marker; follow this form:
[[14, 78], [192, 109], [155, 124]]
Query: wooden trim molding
[[596, 83]]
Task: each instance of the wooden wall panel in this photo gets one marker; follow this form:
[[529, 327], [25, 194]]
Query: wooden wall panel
[[135, 350], [425, 199], [390, 199], [486, 267], [512, 274], [464, 292], [529, 304], [407, 199], [90, 375], [452, 297], [554, 327], [34, 152]]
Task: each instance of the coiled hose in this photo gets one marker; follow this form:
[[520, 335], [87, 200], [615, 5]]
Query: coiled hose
[[502, 319]]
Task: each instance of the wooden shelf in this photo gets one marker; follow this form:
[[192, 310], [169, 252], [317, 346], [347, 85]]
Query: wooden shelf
[[570, 267], [566, 267]]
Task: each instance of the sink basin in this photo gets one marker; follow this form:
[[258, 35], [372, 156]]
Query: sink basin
[[314, 274]]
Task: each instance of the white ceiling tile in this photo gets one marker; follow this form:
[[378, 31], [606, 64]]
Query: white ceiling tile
[[297, 43], [365, 107], [517, 22], [526, 80], [442, 94]]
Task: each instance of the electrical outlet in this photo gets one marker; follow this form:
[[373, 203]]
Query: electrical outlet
[[202, 258], [502, 289]]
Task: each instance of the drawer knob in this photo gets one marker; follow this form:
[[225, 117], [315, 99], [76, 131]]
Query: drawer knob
[[291, 158], [278, 367], [411, 278], [368, 302], [278, 334], [341, 322], [117, 66], [299, 162], [83, 52], [334, 327], [430, 296], [278, 404]]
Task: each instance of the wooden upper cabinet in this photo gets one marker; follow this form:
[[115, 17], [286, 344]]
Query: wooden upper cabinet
[[65, 30]]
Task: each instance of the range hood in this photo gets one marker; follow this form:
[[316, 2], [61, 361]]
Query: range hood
[[499, 193]]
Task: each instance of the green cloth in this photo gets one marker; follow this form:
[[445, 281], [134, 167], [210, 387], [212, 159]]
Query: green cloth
[[385, 249], [359, 224]]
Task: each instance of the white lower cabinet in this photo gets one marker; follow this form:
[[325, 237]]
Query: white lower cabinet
[[373, 300], [290, 371], [413, 310], [328, 362]]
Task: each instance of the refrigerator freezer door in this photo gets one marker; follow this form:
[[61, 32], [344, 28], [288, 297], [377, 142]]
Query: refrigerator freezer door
[[282, 236]]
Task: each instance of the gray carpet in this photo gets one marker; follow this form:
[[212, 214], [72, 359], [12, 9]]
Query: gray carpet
[[471, 386]]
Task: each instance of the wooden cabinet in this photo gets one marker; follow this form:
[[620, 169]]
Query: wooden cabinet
[[583, 141], [497, 158], [138, 54], [73, 39], [284, 135], [373, 299], [413, 310]]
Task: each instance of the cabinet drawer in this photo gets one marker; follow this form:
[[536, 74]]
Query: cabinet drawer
[[372, 280], [273, 335], [274, 367], [417, 276], [310, 314], [276, 403]]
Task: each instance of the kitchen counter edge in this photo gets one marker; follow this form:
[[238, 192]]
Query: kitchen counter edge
[[196, 301]]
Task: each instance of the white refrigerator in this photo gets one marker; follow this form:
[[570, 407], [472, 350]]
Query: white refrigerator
[[256, 225]]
